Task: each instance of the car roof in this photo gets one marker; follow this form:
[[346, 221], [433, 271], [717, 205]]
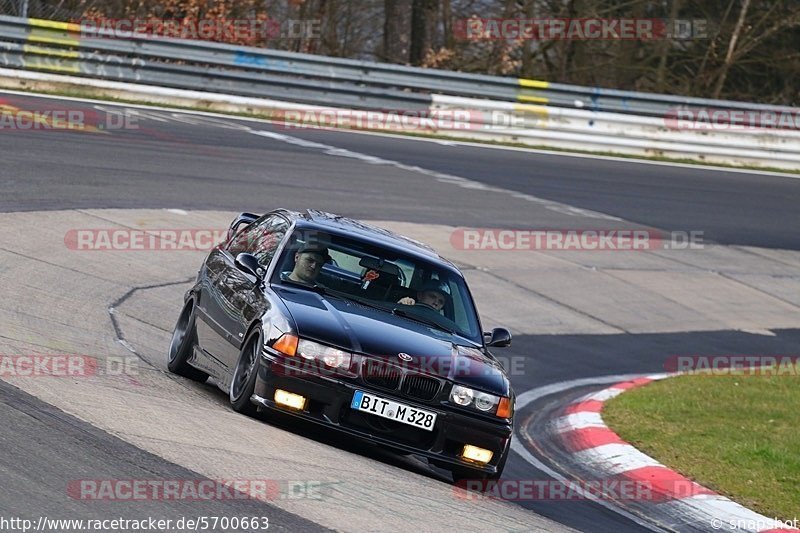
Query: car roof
[[349, 227]]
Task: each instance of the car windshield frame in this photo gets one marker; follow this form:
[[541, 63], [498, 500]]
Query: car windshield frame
[[407, 273]]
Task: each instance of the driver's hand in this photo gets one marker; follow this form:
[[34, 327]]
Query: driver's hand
[[408, 300]]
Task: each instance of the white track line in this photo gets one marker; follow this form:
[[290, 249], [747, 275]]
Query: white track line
[[534, 394], [438, 176]]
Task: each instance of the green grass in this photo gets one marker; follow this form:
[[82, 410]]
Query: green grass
[[737, 435], [97, 95]]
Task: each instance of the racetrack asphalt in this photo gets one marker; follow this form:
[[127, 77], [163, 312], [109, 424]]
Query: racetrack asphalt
[[153, 166], [45, 451], [189, 164]]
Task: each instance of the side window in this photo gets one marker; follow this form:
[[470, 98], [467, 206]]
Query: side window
[[463, 312], [460, 317], [261, 238]]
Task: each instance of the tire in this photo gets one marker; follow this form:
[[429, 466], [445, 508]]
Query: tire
[[243, 381], [183, 340]]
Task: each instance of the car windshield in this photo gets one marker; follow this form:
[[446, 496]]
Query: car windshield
[[383, 278]]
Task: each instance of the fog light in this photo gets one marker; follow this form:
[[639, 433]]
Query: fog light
[[289, 399], [479, 455]]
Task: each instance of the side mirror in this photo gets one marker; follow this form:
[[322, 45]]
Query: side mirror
[[248, 263], [498, 338]]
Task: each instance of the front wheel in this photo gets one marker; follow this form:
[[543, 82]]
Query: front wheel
[[244, 375], [184, 338]]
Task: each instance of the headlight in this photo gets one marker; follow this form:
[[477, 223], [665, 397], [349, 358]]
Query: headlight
[[332, 357], [485, 402], [461, 395], [488, 403]]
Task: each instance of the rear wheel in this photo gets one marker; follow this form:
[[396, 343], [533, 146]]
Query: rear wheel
[[184, 338], [244, 375]]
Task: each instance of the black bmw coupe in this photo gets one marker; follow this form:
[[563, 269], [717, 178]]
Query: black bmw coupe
[[353, 327]]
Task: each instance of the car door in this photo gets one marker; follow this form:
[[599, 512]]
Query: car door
[[236, 299], [210, 335]]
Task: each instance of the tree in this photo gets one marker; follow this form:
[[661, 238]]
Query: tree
[[396, 24], [423, 25], [750, 49], [731, 48]]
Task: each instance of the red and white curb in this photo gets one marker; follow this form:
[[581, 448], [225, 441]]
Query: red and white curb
[[594, 445]]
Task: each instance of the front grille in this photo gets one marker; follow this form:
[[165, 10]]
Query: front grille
[[390, 377], [382, 375], [421, 387]]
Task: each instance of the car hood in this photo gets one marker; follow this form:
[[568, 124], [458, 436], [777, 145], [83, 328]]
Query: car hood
[[362, 329]]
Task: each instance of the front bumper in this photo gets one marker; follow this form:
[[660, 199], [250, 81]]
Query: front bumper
[[328, 404]]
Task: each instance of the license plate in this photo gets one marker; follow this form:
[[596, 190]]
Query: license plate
[[392, 410]]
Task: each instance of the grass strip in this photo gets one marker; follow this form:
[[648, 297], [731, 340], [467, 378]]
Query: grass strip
[[736, 434]]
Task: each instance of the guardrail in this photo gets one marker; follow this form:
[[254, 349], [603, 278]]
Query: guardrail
[[547, 114]]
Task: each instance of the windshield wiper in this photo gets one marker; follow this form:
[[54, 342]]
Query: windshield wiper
[[413, 316], [366, 302], [320, 289]]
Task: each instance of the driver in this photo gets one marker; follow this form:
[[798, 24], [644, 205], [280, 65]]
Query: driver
[[433, 294], [308, 262]]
